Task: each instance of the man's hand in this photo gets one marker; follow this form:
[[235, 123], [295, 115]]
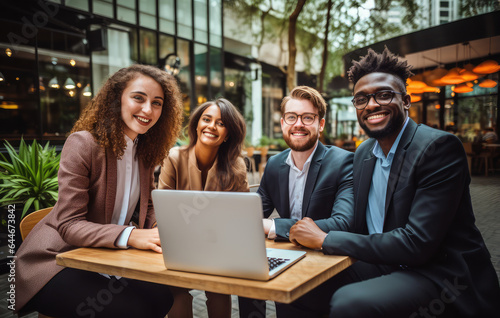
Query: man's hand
[[305, 232], [145, 239]]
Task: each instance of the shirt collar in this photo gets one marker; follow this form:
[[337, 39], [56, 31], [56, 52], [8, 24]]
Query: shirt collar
[[377, 150], [289, 159]]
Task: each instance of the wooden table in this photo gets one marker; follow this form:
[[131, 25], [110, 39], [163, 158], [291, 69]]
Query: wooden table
[[297, 280]]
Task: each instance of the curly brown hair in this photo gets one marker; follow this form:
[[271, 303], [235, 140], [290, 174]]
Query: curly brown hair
[[230, 150], [102, 116], [385, 62], [307, 93]]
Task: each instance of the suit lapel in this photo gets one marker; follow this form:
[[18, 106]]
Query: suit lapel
[[284, 174], [312, 175], [397, 162], [363, 188], [111, 177]]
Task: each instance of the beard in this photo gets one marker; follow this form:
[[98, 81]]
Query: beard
[[392, 126], [311, 141]]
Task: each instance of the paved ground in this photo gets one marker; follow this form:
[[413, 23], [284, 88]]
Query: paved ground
[[485, 193]]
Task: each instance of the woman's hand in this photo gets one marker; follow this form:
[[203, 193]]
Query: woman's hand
[[145, 239]]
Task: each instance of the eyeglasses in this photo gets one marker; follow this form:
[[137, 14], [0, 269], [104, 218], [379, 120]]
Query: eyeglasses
[[307, 118], [382, 98]]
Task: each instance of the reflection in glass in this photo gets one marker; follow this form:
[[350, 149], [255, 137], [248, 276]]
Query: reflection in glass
[[148, 47], [200, 73], [125, 11], [200, 21], [183, 51], [103, 7], [184, 19], [215, 72], [147, 13], [215, 14], [167, 16]]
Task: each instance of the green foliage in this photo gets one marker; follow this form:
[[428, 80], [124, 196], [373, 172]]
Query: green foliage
[[30, 176]]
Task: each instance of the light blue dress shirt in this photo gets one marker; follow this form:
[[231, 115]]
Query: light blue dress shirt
[[375, 210]]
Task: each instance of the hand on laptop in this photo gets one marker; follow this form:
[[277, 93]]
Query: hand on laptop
[[306, 233], [145, 239]]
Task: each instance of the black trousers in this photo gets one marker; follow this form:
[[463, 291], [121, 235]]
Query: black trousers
[[78, 293], [365, 290]]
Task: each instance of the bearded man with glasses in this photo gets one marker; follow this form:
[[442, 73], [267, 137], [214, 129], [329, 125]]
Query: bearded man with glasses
[[308, 180], [419, 252]]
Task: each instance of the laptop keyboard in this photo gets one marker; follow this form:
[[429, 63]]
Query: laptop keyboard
[[275, 262]]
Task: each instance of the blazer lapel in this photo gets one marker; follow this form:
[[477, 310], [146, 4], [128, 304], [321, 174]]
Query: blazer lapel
[[111, 177], [284, 175], [363, 188], [312, 175], [397, 162]]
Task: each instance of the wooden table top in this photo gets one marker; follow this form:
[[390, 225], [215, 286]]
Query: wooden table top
[[294, 282]]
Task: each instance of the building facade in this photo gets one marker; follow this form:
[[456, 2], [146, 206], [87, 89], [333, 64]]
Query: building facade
[[55, 55]]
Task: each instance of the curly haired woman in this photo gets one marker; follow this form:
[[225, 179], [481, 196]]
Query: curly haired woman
[[105, 182]]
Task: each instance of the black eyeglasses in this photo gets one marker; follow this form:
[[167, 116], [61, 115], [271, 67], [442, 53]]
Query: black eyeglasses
[[382, 98], [307, 118]]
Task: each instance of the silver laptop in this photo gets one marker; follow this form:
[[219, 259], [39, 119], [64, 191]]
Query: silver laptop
[[218, 233]]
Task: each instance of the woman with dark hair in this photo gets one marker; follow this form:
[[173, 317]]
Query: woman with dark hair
[[211, 162], [105, 183]]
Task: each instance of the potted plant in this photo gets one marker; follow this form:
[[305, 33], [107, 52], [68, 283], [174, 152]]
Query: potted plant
[[28, 181]]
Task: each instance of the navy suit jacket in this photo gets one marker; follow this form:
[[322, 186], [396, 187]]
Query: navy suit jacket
[[328, 194], [429, 223]]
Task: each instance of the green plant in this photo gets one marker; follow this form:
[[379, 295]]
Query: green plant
[[30, 176]]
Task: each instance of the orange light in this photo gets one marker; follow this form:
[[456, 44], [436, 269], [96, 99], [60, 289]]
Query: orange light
[[415, 98], [487, 67], [453, 77], [462, 88], [487, 83], [437, 106]]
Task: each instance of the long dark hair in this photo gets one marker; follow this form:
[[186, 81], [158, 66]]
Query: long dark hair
[[230, 150], [102, 117]]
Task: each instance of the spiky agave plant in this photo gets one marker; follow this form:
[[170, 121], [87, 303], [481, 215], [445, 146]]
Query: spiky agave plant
[[30, 176]]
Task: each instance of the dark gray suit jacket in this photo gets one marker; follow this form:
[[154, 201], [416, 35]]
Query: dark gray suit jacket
[[429, 224], [328, 194]]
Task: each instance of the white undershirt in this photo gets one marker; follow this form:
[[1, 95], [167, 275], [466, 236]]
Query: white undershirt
[[127, 190], [296, 185]]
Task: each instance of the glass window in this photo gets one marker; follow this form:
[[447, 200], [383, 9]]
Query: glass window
[[215, 72], [166, 46], [183, 51], [125, 11], [184, 19], [103, 7], [121, 52], [215, 13], [78, 4], [433, 113], [167, 16], [200, 21], [62, 88], [148, 47], [147, 14], [200, 73], [19, 112]]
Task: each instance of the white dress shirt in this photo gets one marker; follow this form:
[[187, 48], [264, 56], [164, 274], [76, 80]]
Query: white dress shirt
[[127, 190], [296, 185]]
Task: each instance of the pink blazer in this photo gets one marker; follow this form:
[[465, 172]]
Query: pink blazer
[[81, 216]]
